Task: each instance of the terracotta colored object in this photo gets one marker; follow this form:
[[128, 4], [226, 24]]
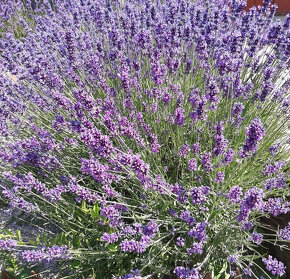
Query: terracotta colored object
[[251, 3], [283, 5], [207, 276]]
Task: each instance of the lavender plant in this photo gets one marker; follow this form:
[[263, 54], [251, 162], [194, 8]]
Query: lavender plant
[[147, 138]]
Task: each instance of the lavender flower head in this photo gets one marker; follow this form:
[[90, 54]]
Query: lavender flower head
[[253, 200], [180, 241], [187, 273], [192, 164], [197, 248], [45, 254], [234, 194], [257, 238], [233, 258], [273, 149], [184, 150], [284, 234], [206, 162], [132, 275], [255, 133], [110, 238], [7, 244], [274, 266]]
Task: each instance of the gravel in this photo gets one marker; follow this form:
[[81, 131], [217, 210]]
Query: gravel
[[9, 219]]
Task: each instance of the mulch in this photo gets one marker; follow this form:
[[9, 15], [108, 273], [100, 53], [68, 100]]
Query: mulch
[[6, 275]]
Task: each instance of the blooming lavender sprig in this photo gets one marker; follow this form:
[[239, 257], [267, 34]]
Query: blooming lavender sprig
[[275, 206], [197, 248], [185, 273], [255, 133], [110, 238], [7, 244], [132, 275], [180, 241], [253, 200], [234, 194], [233, 258], [45, 254], [284, 234], [138, 247], [192, 164], [274, 266], [257, 237]]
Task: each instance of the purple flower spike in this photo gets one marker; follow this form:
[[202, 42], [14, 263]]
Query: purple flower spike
[[179, 116], [7, 244], [184, 150], [257, 238], [110, 238], [197, 248], [253, 200], [284, 234], [220, 177], [233, 258], [254, 133], [192, 164], [206, 162], [234, 194], [45, 254], [187, 273], [180, 241], [274, 266], [151, 229], [195, 148], [198, 194], [132, 275]]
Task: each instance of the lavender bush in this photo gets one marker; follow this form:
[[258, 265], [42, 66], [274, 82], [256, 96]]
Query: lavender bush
[[147, 137]]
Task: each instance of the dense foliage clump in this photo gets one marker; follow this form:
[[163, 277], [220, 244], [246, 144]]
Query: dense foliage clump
[[145, 138]]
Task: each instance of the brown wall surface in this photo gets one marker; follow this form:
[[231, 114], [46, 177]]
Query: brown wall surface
[[283, 5], [251, 3]]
